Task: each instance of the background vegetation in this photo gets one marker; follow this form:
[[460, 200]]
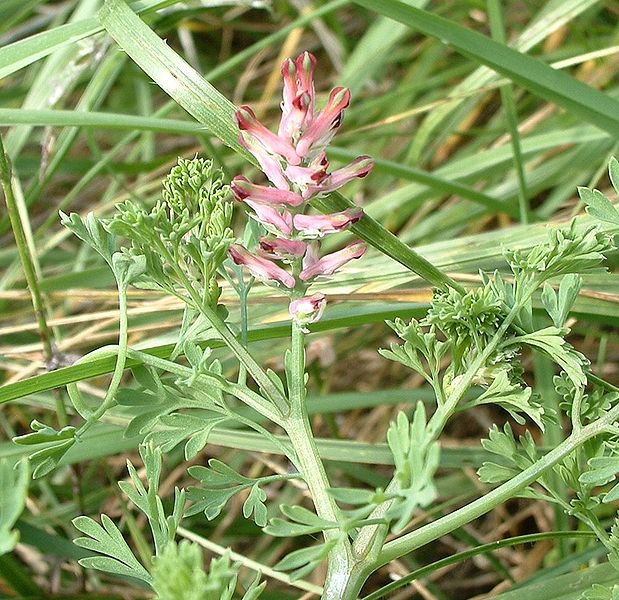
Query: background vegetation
[[477, 146]]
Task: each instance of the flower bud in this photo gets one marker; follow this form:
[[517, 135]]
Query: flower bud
[[307, 310]]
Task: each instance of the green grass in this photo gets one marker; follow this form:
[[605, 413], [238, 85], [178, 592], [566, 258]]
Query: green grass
[[479, 139]]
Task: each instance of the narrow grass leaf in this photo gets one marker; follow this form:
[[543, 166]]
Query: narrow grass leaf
[[555, 86], [173, 74], [22, 53]]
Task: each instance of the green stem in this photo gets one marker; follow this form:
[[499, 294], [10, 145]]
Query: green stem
[[433, 531], [370, 539], [466, 554], [553, 435], [121, 359], [244, 357], [411, 541], [27, 259], [243, 291], [299, 431], [23, 250], [497, 29]]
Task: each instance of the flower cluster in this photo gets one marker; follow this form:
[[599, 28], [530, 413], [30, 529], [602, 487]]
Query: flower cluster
[[294, 161]]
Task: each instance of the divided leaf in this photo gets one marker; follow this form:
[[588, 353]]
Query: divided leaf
[[304, 561], [91, 231], [550, 340], [254, 504], [55, 446], [106, 539], [221, 483], [513, 398], [301, 522], [416, 458], [602, 470], [558, 305], [598, 205], [513, 458], [601, 592]]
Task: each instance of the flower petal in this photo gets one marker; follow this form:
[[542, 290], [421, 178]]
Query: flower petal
[[269, 165], [328, 264], [307, 310], [277, 223], [242, 189], [306, 64], [322, 129], [309, 177], [270, 141], [282, 248], [298, 96], [260, 268], [319, 225], [359, 167]]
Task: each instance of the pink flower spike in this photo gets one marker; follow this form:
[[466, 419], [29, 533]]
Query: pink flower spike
[[359, 167], [269, 165], [307, 310], [242, 188], [319, 225], [323, 127], [270, 141], [282, 248], [327, 265], [260, 268], [274, 221]]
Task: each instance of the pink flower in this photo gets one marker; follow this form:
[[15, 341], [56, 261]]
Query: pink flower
[[298, 103], [359, 167], [319, 225], [269, 165], [307, 310], [271, 142], [310, 177], [261, 268], [281, 248], [273, 220], [244, 189], [295, 162], [328, 264], [322, 129]]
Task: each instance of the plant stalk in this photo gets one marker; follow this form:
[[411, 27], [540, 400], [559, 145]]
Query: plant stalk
[[310, 465], [30, 272], [445, 525], [424, 535], [370, 539], [121, 359], [244, 357], [24, 253]]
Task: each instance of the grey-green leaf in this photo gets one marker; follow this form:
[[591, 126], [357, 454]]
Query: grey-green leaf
[[599, 206], [14, 489]]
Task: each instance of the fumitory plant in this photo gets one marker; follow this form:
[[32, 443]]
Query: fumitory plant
[[468, 347]]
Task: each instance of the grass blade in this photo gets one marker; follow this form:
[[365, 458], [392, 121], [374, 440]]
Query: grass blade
[[555, 86]]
